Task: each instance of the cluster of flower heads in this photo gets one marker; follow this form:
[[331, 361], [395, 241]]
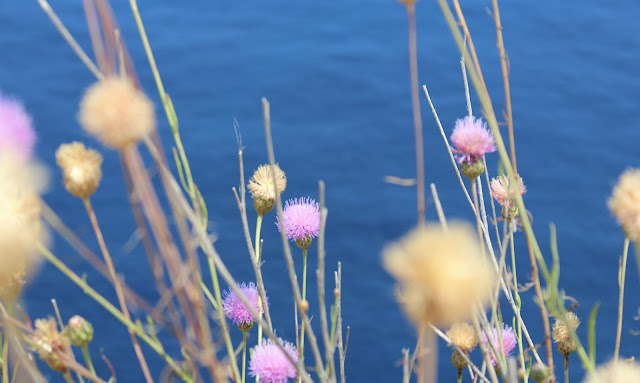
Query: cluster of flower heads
[[472, 140], [54, 345], [235, 310], [22, 180], [509, 342], [271, 364]]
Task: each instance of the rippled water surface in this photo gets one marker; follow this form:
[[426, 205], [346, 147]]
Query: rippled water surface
[[336, 76]]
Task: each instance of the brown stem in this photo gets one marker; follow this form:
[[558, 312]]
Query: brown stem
[[119, 290], [417, 118], [543, 308]]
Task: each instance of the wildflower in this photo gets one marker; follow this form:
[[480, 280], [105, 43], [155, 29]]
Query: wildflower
[[505, 194], [624, 203], [80, 167], [301, 221], [562, 334], [235, 310], [16, 130], [51, 345], [79, 331], [442, 276], [463, 336], [271, 364], [116, 113], [539, 372], [613, 372], [472, 140], [20, 229], [509, 342], [262, 188]]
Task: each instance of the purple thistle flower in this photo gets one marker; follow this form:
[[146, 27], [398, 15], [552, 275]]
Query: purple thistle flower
[[509, 342], [16, 130], [301, 217], [235, 310], [271, 364], [472, 140]]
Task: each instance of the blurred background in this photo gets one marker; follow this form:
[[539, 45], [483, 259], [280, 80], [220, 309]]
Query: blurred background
[[336, 74]]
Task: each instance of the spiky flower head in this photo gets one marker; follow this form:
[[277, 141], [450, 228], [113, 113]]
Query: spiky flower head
[[16, 130], [116, 112], [79, 331], [505, 193], [441, 274], [20, 228], [612, 372], [271, 365], [51, 345], [81, 168], [624, 203], [562, 333], [463, 336], [472, 140], [301, 221], [262, 188], [509, 342], [235, 310]]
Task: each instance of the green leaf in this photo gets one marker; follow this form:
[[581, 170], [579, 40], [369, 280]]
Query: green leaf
[[592, 333]]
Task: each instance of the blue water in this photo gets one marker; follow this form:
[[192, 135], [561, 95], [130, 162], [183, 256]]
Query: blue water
[[336, 76]]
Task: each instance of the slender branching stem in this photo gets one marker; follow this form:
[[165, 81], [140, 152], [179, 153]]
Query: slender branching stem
[[118, 287], [244, 354], [87, 359], [257, 253], [566, 368]]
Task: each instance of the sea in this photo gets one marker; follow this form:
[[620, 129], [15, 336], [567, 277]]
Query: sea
[[336, 74]]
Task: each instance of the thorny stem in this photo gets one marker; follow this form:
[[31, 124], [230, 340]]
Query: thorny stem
[[621, 277], [119, 291]]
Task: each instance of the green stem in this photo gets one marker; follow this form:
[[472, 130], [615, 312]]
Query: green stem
[[87, 359], [566, 368], [460, 375], [5, 345], [516, 295], [67, 377], [621, 276], [244, 354], [257, 252], [137, 328], [304, 297]]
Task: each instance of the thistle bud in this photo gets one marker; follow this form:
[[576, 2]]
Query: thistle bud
[[79, 331], [539, 372], [472, 170]]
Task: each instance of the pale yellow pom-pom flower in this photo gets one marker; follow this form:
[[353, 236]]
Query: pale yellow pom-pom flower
[[116, 113], [463, 336], [261, 185], [621, 372], [560, 331], [20, 228], [441, 273], [81, 168], [624, 202], [51, 344]]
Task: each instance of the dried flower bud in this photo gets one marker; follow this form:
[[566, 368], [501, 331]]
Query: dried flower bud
[[463, 336], [50, 344], [562, 335], [262, 188], [624, 203], [79, 331], [80, 167], [116, 113]]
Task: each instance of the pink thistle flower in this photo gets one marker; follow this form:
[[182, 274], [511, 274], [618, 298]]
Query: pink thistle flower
[[16, 130], [235, 310], [472, 140], [504, 192], [509, 342], [301, 219], [271, 364]]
